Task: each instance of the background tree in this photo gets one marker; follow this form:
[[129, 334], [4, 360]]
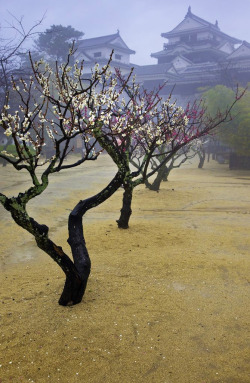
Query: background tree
[[174, 162], [56, 41], [236, 133], [171, 129], [12, 45]]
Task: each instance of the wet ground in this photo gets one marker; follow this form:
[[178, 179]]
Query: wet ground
[[167, 300]]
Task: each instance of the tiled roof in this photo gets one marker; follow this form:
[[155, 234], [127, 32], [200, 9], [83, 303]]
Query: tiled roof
[[201, 21], [246, 44], [152, 69], [201, 67], [97, 40], [246, 54], [171, 52], [203, 24], [103, 40]]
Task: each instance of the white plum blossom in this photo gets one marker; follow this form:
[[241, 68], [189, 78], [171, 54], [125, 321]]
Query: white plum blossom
[[8, 132]]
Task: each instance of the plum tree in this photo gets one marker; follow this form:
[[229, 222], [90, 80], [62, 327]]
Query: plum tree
[[62, 105]]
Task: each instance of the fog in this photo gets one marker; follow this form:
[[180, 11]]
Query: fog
[[140, 22]]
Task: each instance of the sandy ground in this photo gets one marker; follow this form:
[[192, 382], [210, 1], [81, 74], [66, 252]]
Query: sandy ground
[[167, 300]]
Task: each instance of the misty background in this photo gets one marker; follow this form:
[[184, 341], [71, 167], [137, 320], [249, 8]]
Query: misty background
[[140, 22]]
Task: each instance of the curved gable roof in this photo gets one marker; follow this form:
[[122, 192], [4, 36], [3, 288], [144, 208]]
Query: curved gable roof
[[243, 51], [114, 40], [194, 23]]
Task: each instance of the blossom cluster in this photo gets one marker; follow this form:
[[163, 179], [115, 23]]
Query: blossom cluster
[[59, 104]]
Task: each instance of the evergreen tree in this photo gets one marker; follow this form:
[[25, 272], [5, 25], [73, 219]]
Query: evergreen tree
[[56, 41]]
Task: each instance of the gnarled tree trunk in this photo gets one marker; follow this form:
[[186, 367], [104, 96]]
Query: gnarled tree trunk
[[126, 210], [74, 288], [166, 174], [78, 270], [40, 233], [162, 175], [202, 155]]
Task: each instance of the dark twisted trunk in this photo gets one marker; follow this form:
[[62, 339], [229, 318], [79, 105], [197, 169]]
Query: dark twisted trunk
[[126, 210], [208, 156], [162, 175], [40, 233], [77, 271], [166, 174], [155, 186], [202, 156], [74, 289], [147, 183]]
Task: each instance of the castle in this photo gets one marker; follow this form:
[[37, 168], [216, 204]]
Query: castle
[[196, 56], [98, 50]]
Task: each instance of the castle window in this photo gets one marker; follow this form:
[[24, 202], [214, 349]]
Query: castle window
[[97, 54], [118, 57], [189, 38], [193, 37]]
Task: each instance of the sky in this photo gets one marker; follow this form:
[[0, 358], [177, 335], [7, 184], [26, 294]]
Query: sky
[[140, 22]]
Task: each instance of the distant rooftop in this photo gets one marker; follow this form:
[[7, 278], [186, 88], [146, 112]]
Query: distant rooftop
[[113, 40], [202, 24]]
